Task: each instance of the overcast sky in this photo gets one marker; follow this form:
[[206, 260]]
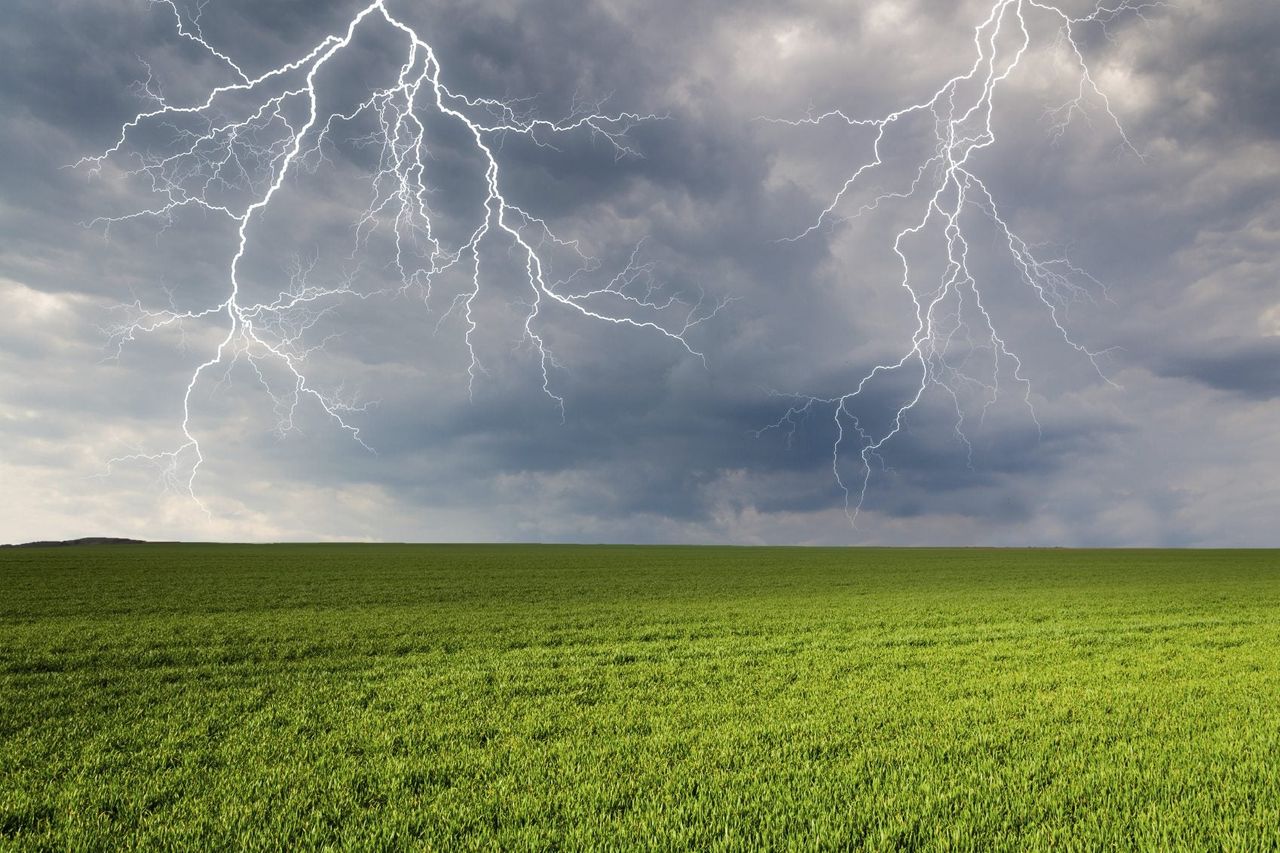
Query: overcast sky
[[1173, 442]]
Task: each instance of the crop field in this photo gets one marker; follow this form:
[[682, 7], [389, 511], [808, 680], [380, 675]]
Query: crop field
[[532, 697]]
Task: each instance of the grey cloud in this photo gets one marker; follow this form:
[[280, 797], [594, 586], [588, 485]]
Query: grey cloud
[[1248, 367], [655, 446]]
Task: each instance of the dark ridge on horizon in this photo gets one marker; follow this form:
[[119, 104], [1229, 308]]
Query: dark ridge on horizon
[[116, 540], [84, 540]]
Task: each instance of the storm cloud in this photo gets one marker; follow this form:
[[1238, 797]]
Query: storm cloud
[[1173, 444]]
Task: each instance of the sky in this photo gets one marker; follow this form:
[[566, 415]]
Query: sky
[[1151, 422]]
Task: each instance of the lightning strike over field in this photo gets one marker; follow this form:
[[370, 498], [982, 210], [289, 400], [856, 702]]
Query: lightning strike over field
[[956, 347], [231, 153]]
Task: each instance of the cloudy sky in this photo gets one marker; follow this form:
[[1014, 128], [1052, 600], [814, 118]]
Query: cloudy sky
[[1170, 440]]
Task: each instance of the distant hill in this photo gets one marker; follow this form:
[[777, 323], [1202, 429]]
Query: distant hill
[[87, 540]]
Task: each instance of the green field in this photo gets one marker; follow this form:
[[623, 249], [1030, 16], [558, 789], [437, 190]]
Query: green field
[[451, 697]]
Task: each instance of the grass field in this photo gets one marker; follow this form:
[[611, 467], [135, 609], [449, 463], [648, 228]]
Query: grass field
[[533, 697]]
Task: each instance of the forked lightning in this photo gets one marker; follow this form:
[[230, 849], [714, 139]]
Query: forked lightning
[[231, 153], [942, 350]]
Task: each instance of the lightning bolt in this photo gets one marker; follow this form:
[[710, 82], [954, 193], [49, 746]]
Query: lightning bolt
[[943, 349], [231, 152]]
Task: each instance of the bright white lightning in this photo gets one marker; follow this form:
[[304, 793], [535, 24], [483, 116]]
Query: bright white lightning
[[945, 187], [254, 133]]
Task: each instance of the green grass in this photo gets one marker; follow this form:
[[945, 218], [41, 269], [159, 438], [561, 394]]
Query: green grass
[[533, 697]]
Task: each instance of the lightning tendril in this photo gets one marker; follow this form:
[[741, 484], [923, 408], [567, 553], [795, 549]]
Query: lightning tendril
[[230, 153], [943, 350]]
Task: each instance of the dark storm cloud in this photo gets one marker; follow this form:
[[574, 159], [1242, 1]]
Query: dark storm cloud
[[1226, 67], [1248, 367], [654, 445]]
